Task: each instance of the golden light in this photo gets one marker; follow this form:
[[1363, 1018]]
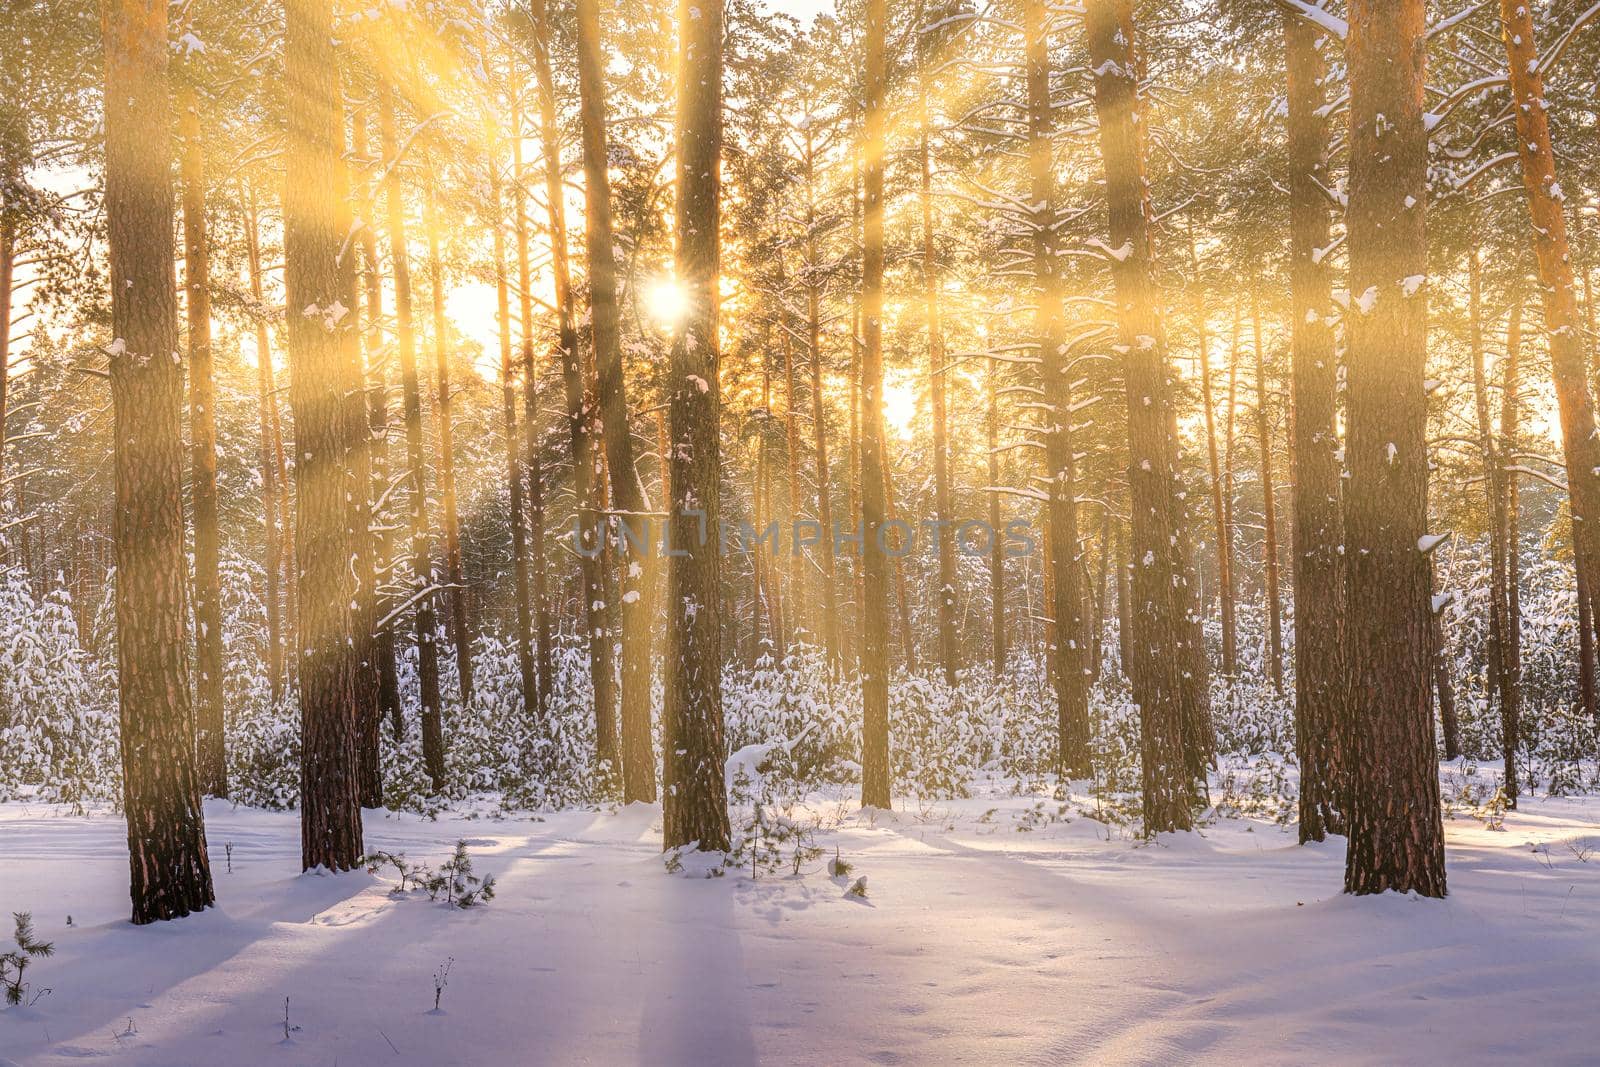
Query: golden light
[[666, 302], [900, 404]]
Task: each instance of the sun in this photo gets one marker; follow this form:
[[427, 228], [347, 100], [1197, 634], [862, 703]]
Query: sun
[[666, 301]]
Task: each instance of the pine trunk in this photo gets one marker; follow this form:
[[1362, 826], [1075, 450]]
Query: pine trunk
[[696, 809], [997, 551], [819, 422], [444, 417], [628, 497], [1510, 514], [270, 456], [1169, 679], [1318, 522], [1068, 641], [1396, 839], [1569, 346], [1269, 510], [210, 753], [319, 285], [580, 409], [170, 873], [875, 773], [421, 553]]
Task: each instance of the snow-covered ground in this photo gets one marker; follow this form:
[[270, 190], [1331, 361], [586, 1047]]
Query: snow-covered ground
[[991, 934]]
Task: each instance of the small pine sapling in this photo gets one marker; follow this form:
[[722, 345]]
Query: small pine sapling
[[457, 884], [13, 964], [839, 867], [413, 876], [858, 888]]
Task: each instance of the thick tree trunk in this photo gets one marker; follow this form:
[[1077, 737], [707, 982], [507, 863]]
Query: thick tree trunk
[[1068, 641], [997, 551], [544, 656], [416, 461], [271, 454], [1396, 839], [443, 413], [1170, 676], [1318, 521], [211, 756], [319, 285], [696, 807], [1569, 347], [170, 873], [875, 773], [580, 410], [638, 747], [1269, 508]]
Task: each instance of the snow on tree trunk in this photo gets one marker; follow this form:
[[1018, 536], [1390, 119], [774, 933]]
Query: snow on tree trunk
[[1395, 836]]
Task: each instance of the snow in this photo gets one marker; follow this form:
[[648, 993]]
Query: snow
[[985, 917]]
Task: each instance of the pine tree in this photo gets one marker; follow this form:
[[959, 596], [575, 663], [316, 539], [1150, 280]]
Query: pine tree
[[171, 875], [1396, 838]]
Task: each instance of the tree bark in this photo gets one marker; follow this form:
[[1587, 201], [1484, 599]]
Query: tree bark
[[875, 773], [997, 552], [1510, 514], [380, 550], [1219, 515], [366, 548], [319, 285], [1396, 838], [628, 496], [1069, 664], [1569, 348], [1170, 676], [949, 646], [443, 413], [211, 756], [1318, 521], [544, 656], [696, 807], [272, 472], [1269, 510], [416, 461], [819, 422], [580, 410], [170, 875]]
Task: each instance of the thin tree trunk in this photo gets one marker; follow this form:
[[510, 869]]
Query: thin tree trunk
[[580, 407], [319, 284], [1170, 679], [997, 552], [949, 646], [908, 649], [271, 452], [170, 875], [443, 413], [1230, 580], [1510, 514], [1067, 645], [1318, 521], [1493, 479], [544, 656], [211, 756], [381, 548], [1219, 515], [416, 460], [638, 748], [1269, 511], [1396, 838], [875, 774], [696, 798], [1569, 347], [527, 670], [364, 543], [819, 422]]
